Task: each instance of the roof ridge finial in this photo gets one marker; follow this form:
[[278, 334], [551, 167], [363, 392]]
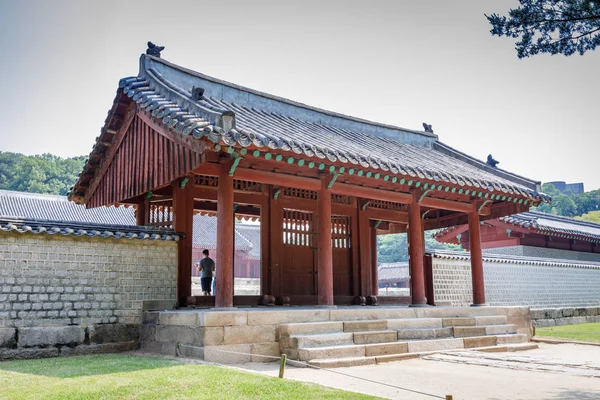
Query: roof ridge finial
[[154, 50]]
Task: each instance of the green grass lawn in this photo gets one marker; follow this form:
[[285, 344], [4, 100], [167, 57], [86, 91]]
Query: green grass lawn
[[585, 332], [135, 377]]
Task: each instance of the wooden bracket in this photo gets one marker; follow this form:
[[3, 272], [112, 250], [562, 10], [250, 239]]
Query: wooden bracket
[[149, 196], [276, 194], [378, 223], [424, 194], [236, 162], [184, 182], [483, 205], [335, 176], [364, 206]]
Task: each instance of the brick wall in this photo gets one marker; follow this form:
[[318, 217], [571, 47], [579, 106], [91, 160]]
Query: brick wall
[[515, 284], [70, 280]]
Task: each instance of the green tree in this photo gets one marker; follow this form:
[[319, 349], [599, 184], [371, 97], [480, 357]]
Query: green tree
[[44, 173], [550, 26], [394, 247], [592, 216]]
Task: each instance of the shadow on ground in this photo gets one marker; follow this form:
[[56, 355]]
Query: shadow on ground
[[77, 366]]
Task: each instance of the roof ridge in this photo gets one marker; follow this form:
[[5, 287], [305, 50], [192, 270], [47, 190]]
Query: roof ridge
[[46, 196], [283, 99], [563, 218]]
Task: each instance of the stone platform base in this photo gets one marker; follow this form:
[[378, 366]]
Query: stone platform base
[[248, 334], [53, 341]]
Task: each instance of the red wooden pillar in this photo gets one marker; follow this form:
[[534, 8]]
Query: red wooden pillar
[[476, 259], [142, 213], [364, 241], [374, 271], [415, 252], [325, 250], [225, 238], [183, 222]]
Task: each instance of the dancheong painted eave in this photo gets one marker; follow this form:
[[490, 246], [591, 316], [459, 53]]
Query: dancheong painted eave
[[241, 120]]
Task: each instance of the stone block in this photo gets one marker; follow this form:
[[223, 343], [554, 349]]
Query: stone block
[[213, 335], [421, 334], [331, 352], [568, 312], [537, 313], [147, 333], [151, 305], [249, 334], [591, 311], [517, 311], [223, 318], [23, 354], [435, 345], [580, 312], [491, 320], [80, 350], [8, 337], [319, 340], [150, 317], [511, 339], [375, 337], [579, 320], [120, 347], [310, 328], [269, 349], [395, 357], [458, 322], [383, 349], [180, 334], [500, 329], [343, 362], [372, 313], [541, 323], [184, 318], [414, 323], [359, 326], [276, 317], [113, 333], [482, 341], [166, 348], [467, 331], [228, 354], [51, 336], [192, 352]]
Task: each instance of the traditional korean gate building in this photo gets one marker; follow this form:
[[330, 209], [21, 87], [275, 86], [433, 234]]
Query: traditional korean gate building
[[322, 184]]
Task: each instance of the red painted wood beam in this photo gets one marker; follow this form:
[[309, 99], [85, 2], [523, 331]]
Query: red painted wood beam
[[452, 234], [447, 205], [371, 193], [225, 239], [325, 250]]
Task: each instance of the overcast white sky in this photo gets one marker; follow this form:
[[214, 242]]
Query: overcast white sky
[[398, 62]]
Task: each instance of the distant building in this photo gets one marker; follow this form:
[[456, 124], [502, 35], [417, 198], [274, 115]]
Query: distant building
[[562, 187]]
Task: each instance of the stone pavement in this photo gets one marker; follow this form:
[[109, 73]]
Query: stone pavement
[[562, 371]]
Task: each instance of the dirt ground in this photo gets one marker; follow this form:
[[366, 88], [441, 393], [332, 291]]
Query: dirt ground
[[563, 371]]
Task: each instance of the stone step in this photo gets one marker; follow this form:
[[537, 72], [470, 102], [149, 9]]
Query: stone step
[[360, 326], [424, 333], [460, 321], [382, 349], [512, 338], [468, 331], [500, 329], [479, 341], [375, 337], [321, 340], [342, 351], [508, 347], [491, 320], [414, 323], [305, 328], [418, 346]]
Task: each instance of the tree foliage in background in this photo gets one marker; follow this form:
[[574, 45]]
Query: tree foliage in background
[[569, 204], [592, 216], [44, 173], [394, 247], [551, 26]]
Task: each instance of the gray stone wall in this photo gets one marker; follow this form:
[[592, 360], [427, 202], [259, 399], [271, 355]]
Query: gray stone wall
[[71, 295], [518, 284], [541, 317], [542, 252]]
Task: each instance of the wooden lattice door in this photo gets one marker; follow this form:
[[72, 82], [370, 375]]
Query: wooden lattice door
[[341, 235], [298, 275]]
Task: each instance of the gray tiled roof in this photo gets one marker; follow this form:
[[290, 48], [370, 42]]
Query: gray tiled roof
[[510, 259], [393, 271], [555, 225], [266, 121], [252, 234], [34, 212]]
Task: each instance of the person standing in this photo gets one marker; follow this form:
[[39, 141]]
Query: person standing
[[207, 267]]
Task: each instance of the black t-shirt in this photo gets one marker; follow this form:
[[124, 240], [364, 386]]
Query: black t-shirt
[[207, 265]]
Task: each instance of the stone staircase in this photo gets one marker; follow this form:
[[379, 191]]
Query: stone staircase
[[350, 343]]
